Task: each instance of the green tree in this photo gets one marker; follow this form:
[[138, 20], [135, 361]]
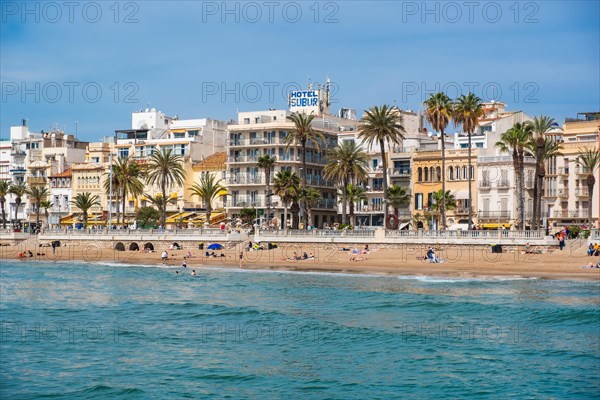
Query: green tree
[[398, 197], [266, 162], [113, 175], [589, 159], [382, 125], [159, 201], [286, 186], [165, 169], [515, 141], [248, 215], [46, 204], [85, 201], [37, 194], [4, 191], [355, 195], [303, 134], [128, 178], [18, 190], [466, 111], [438, 112], [147, 217], [207, 190], [540, 127], [308, 195], [442, 201], [347, 165]]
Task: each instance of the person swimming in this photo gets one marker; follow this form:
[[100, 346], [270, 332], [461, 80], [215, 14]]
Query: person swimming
[[193, 272]]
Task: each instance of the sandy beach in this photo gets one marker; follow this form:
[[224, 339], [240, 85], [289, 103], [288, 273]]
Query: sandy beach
[[459, 261]]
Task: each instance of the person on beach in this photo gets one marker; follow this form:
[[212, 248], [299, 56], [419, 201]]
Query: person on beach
[[241, 258], [164, 255], [590, 251], [527, 248], [184, 262]]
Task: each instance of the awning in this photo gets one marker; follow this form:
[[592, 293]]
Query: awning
[[178, 130], [222, 192], [175, 218], [68, 220], [461, 195], [403, 225], [495, 226]]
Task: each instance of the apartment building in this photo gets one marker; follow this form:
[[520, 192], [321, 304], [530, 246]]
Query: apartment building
[[566, 198]]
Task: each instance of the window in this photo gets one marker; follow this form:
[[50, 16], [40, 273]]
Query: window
[[450, 174], [420, 174], [123, 153], [472, 172], [464, 172], [246, 121], [438, 172], [426, 174], [457, 172], [375, 162], [418, 201], [95, 160]]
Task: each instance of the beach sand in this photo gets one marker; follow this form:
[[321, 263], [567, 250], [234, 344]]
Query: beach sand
[[463, 261]]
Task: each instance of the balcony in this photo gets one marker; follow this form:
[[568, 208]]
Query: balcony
[[563, 171], [503, 184], [243, 179], [583, 213], [550, 193], [579, 170], [36, 180], [563, 193], [493, 215], [400, 173], [246, 201], [460, 210], [529, 183], [242, 159], [582, 192], [485, 184]]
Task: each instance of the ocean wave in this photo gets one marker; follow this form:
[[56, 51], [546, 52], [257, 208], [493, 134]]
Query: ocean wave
[[435, 279]]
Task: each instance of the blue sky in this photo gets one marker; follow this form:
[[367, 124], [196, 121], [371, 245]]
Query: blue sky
[[94, 63]]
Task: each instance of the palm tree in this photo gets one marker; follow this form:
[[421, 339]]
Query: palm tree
[[159, 201], [347, 164], [266, 162], [439, 112], [590, 160], [84, 201], [540, 126], [398, 197], [302, 134], [207, 189], [46, 204], [308, 195], [4, 191], [515, 141], [442, 201], [382, 125], [128, 178], [165, 170], [116, 172], [466, 111], [37, 194], [286, 185], [355, 195], [18, 189]]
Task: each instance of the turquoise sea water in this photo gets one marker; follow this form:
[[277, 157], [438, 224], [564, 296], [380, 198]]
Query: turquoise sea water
[[80, 330]]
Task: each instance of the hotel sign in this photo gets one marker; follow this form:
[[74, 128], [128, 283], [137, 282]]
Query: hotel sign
[[304, 99]]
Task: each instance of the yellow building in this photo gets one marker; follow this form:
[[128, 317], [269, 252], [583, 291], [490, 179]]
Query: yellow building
[[427, 179]]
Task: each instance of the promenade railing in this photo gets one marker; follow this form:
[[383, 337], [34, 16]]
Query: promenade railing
[[126, 232]]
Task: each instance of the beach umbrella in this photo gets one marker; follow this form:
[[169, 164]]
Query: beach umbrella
[[215, 246]]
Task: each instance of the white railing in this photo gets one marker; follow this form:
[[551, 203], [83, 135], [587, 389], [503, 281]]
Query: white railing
[[125, 232]]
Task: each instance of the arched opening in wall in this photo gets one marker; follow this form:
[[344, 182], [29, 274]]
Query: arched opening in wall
[[120, 247], [420, 225], [134, 247], [149, 246]]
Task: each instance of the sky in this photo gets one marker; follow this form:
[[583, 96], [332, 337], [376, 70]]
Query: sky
[[84, 67]]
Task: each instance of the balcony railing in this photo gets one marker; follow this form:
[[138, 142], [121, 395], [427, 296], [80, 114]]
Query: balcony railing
[[402, 172], [485, 184], [583, 213], [36, 180], [246, 179], [582, 192], [503, 183], [460, 210], [503, 214], [246, 201], [582, 170]]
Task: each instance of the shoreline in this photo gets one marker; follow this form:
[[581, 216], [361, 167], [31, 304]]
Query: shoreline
[[461, 263]]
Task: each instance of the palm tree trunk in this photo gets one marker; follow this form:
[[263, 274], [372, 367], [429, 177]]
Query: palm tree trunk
[[351, 205], [345, 201], [37, 214], [3, 214], [516, 167], [443, 206], [591, 181], [470, 214], [163, 211], [385, 184], [208, 213], [123, 203], [304, 205], [522, 188], [535, 219], [17, 204], [268, 198], [285, 216]]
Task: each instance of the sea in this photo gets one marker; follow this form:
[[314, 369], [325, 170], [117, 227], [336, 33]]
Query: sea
[[81, 330]]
